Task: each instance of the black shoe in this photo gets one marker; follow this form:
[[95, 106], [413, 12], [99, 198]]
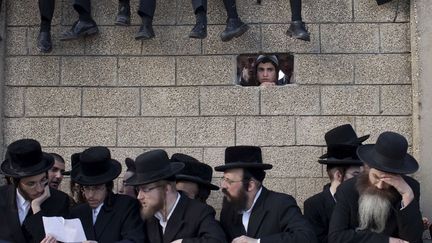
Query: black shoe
[[44, 43], [123, 15], [234, 28], [298, 30], [80, 29], [199, 31], [145, 32]]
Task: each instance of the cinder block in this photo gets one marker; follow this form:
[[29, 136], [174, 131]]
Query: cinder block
[[274, 39], [171, 40], [146, 71], [350, 100], [13, 102], [214, 157], [45, 130], [349, 38], [265, 131], [59, 47], [121, 154], [396, 100], [290, 100], [32, 71], [307, 187], [88, 132], [324, 69], [377, 125], [114, 40], [65, 152], [197, 153], [179, 101], [293, 161], [111, 102], [283, 185], [310, 130], [205, 131], [16, 42], [327, 11], [206, 70], [369, 11], [395, 37], [53, 101], [216, 13], [277, 11], [89, 71], [26, 12], [249, 42], [383, 69], [146, 132], [232, 100]]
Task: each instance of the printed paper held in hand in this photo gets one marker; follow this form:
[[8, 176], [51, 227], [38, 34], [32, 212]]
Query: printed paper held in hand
[[65, 230]]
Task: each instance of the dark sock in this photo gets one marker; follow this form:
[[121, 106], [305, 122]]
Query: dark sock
[[200, 11], [296, 7], [83, 14], [45, 25], [146, 20], [231, 8], [124, 2]]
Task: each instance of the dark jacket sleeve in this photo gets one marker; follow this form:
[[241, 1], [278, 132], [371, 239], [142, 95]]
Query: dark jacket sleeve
[[294, 227], [312, 213]]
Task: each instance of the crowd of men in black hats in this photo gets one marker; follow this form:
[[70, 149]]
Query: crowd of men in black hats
[[369, 198]]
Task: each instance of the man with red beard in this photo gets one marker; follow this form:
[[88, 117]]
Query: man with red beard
[[382, 204], [28, 198], [170, 216], [250, 212]]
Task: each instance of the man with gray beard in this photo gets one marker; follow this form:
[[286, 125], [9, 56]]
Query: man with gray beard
[[381, 204]]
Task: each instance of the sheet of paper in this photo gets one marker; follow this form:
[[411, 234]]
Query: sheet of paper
[[65, 230]]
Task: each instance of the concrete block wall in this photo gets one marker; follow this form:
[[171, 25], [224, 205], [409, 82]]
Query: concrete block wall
[[177, 93]]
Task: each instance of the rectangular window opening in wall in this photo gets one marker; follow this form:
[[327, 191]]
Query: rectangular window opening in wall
[[267, 69]]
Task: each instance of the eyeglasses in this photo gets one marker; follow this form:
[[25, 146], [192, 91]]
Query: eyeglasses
[[92, 188], [34, 184], [146, 189], [228, 181]]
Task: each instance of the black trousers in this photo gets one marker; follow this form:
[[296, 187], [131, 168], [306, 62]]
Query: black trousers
[[46, 8], [82, 6], [296, 8], [148, 7]]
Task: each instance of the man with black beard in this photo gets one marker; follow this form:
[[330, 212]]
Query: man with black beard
[[382, 204], [170, 216], [252, 213]]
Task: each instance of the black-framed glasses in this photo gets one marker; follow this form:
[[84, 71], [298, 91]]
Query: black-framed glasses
[[146, 189]]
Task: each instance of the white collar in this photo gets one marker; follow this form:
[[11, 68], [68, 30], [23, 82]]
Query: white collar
[[159, 215], [255, 199], [21, 201]]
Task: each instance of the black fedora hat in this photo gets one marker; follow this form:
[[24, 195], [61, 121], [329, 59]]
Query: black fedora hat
[[194, 171], [248, 157], [342, 142], [95, 167], [388, 154], [25, 158], [153, 166], [130, 165], [74, 162]]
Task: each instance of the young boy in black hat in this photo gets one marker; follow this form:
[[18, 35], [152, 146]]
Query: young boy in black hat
[[195, 178], [28, 198], [170, 216], [105, 216], [342, 164], [381, 204], [251, 212]]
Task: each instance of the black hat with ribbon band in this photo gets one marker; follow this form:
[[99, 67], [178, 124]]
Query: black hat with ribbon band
[[25, 158], [388, 154], [153, 166], [194, 171], [95, 167], [246, 157]]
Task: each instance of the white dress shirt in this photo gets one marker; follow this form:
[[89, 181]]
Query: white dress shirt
[[22, 205], [247, 213], [95, 212], [159, 215]]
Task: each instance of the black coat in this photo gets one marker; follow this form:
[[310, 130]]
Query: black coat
[[118, 222], [191, 221], [318, 210], [275, 218], [32, 229], [405, 224]]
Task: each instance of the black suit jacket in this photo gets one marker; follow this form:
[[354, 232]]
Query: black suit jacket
[[191, 220], [32, 229], [318, 210], [118, 222], [275, 218], [405, 224]]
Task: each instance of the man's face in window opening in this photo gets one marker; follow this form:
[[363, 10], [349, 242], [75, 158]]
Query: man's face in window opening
[[266, 73], [55, 174], [286, 65], [248, 68]]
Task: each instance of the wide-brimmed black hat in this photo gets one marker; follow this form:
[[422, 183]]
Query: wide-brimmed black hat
[[342, 143], [194, 171], [95, 167], [25, 158], [388, 154], [130, 165], [247, 157], [74, 163], [153, 166]]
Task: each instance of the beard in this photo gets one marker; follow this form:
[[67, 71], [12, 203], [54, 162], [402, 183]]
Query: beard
[[148, 210], [237, 203], [374, 205]]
